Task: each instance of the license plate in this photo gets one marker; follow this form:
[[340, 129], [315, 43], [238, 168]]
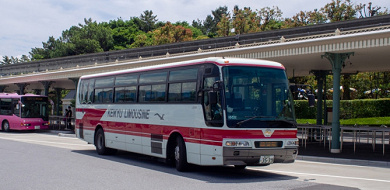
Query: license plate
[[37, 127], [266, 159]]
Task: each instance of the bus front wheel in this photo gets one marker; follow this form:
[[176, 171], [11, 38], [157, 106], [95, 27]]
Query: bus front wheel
[[6, 126], [100, 144], [180, 155], [240, 167]]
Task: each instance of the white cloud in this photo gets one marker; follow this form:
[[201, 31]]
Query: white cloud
[[25, 24]]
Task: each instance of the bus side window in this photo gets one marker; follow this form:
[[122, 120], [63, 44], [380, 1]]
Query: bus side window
[[6, 107], [90, 91], [15, 103], [103, 95], [83, 91]]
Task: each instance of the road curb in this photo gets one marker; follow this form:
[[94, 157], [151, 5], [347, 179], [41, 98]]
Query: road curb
[[66, 135], [345, 161], [62, 133]]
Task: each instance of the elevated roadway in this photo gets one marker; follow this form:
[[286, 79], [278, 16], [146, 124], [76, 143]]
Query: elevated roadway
[[345, 47]]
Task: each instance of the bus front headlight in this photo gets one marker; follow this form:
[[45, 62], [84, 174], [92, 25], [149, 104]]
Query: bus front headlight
[[237, 143]]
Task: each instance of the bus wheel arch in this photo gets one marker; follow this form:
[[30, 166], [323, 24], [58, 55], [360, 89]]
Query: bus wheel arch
[[176, 152], [100, 142], [5, 126], [170, 154]]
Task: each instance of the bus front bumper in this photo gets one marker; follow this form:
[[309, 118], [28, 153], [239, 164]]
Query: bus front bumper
[[251, 157]]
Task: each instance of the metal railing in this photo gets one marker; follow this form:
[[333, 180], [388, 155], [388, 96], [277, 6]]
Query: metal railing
[[373, 135], [61, 122]]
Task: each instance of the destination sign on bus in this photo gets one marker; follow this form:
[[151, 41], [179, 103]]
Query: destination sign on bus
[[34, 98]]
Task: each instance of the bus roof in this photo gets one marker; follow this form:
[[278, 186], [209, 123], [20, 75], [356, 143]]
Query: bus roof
[[216, 60], [16, 95]]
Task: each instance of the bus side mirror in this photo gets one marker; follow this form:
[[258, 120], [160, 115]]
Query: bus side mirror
[[217, 85], [311, 99], [17, 106], [212, 97]]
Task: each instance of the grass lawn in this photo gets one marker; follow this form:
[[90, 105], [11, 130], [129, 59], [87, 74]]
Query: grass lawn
[[358, 121]]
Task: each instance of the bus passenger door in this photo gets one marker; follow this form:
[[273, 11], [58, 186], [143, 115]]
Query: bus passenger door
[[211, 150], [15, 108]]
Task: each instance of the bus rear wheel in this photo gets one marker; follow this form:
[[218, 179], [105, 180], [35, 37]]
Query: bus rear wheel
[[100, 144], [180, 155], [5, 126]]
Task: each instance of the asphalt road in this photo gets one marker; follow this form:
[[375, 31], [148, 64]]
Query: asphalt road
[[31, 160]]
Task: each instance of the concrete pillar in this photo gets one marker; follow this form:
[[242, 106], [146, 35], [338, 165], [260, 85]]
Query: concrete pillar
[[22, 87], [58, 94], [2, 88], [325, 106], [337, 61], [76, 82], [46, 86], [321, 77]]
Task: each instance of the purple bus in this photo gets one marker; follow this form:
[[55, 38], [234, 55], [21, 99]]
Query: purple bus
[[23, 112]]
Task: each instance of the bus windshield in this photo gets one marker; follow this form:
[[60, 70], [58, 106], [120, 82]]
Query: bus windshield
[[35, 107], [257, 97]]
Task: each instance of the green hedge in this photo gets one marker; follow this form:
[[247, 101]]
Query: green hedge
[[361, 108]]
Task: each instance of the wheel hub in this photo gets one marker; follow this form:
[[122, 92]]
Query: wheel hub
[[177, 153]]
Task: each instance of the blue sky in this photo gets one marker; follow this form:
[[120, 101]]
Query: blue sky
[[25, 24]]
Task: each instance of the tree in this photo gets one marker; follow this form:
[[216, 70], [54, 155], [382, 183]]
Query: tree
[[37, 54], [224, 26], [13, 60], [198, 24], [141, 40], [24, 58], [300, 19], [196, 32], [370, 10], [89, 37], [316, 17], [171, 34], [339, 11], [209, 25], [270, 18], [217, 16], [305, 18], [148, 21], [97, 32], [245, 21], [125, 32], [6, 60]]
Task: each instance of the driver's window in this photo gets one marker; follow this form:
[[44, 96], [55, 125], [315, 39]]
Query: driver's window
[[213, 112], [282, 105]]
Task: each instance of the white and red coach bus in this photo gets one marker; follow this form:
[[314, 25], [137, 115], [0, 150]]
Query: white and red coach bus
[[214, 111], [23, 112]]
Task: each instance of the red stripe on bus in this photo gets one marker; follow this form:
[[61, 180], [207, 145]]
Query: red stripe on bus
[[191, 134]]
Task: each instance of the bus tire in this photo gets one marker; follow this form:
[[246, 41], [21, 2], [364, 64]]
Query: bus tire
[[239, 167], [180, 155], [100, 144], [5, 126]]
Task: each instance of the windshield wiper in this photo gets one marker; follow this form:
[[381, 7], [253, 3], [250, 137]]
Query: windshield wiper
[[251, 118], [286, 121]]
